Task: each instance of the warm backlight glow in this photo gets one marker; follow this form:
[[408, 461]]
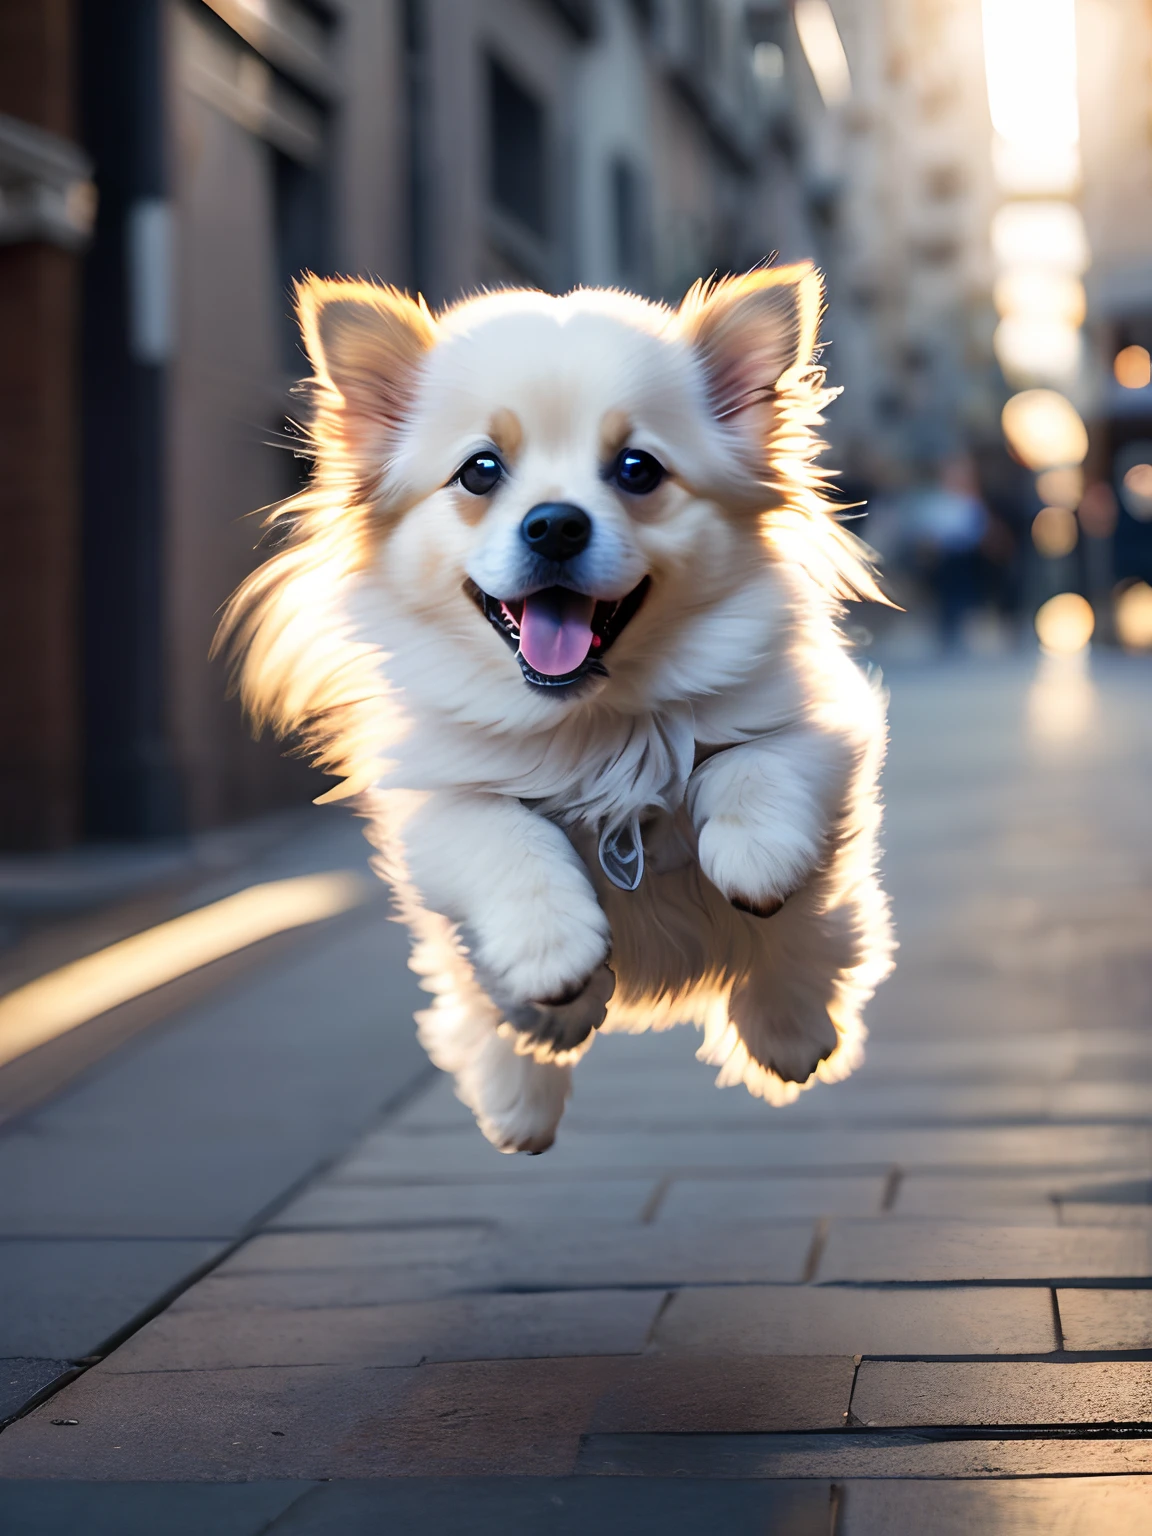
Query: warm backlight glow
[[1030, 65], [1133, 368], [1044, 430], [1031, 349], [1041, 292], [1133, 615], [53, 1004], [820, 40], [1030, 62], [1037, 169], [1065, 623], [1061, 487], [1040, 234], [1055, 532], [1062, 701]]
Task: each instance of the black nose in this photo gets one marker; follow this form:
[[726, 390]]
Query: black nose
[[556, 530]]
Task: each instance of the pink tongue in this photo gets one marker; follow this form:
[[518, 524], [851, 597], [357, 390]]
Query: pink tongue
[[556, 630]]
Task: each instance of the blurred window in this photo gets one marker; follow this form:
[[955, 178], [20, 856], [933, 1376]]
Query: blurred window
[[944, 182], [629, 221], [518, 150], [300, 234]]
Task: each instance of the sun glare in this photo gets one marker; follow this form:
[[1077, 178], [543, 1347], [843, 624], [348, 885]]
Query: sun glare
[[1030, 64], [59, 1001], [820, 39]]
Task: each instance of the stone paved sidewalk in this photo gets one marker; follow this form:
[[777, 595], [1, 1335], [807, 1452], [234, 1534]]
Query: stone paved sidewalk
[[919, 1301]]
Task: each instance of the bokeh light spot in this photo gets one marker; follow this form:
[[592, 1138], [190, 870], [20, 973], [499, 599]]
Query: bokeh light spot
[[1061, 487], [1054, 532], [1044, 430], [1065, 623], [1133, 616], [1133, 367]]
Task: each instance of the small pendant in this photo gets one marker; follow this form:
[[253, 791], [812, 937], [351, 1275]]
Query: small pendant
[[622, 854]]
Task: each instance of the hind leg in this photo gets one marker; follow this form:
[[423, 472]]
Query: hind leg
[[797, 1007], [517, 1100]]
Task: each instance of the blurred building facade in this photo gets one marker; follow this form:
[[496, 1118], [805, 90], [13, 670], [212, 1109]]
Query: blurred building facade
[[225, 146], [167, 167]]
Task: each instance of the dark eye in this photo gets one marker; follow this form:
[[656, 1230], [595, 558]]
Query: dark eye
[[637, 472], [482, 473]]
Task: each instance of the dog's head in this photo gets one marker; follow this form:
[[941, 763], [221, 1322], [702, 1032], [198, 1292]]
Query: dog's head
[[556, 499]]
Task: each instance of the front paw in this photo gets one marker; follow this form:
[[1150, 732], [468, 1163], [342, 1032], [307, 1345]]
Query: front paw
[[562, 1023], [546, 957], [756, 872]]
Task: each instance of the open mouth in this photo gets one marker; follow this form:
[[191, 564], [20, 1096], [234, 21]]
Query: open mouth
[[560, 637]]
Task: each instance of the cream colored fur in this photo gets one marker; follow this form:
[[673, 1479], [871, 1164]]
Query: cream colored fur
[[732, 720]]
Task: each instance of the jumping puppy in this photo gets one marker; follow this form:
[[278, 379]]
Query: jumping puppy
[[559, 604]]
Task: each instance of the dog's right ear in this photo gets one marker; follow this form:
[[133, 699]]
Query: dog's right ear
[[366, 344]]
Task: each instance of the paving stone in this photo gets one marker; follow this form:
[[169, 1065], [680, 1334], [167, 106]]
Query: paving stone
[[480, 1506], [689, 1394], [684, 1253], [21, 1378], [340, 1269], [957, 1251], [144, 1509], [272, 1252], [803, 1320], [1081, 1213], [460, 1328], [62, 1300], [1105, 1320], [1115, 1100], [842, 1455], [871, 1098], [363, 1286], [366, 1205], [497, 1418], [1134, 1189], [1023, 1202], [780, 1194], [1119, 1506], [393, 1155], [212, 1426], [905, 1395]]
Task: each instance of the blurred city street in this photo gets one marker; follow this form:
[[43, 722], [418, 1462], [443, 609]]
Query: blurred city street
[[260, 1272], [916, 1300]]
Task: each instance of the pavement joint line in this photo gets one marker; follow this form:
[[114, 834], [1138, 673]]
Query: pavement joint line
[[891, 1188], [655, 1200], [1057, 1324], [816, 1250], [57, 1384], [668, 1298], [849, 1419]]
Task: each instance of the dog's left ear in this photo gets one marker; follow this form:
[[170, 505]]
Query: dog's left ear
[[368, 344], [755, 334]]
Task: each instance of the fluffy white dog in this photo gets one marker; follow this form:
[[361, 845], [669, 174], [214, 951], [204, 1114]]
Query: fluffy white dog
[[560, 606]]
